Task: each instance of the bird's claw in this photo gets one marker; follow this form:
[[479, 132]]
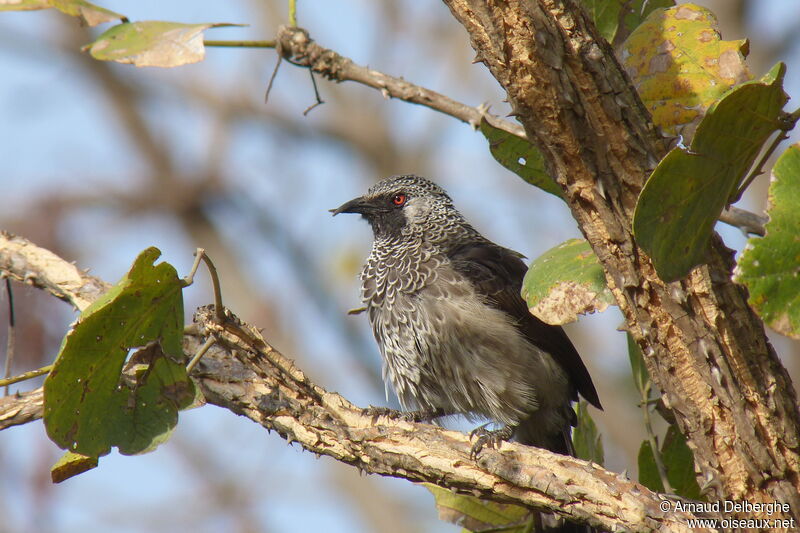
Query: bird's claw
[[488, 438]]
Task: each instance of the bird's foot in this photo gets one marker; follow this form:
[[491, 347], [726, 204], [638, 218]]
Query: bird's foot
[[422, 415], [488, 438]]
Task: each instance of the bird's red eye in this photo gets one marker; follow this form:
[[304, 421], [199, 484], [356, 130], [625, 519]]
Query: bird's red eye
[[399, 199]]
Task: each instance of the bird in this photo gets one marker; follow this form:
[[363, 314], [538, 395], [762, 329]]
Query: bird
[[455, 335]]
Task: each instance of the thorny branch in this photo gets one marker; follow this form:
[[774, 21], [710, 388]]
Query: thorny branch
[[245, 375]]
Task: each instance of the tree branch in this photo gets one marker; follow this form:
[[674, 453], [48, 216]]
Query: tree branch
[[21, 408], [298, 48], [245, 375], [703, 345], [25, 262]]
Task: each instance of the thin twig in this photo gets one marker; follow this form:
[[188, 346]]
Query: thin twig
[[198, 256], [212, 270], [758, 169], [316, 94], [10, 338], [748, 222], [197, 356], [788, 122], [272, 77], [302, 51]]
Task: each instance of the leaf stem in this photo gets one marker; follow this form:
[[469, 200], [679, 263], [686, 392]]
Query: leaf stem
[[11, 335], [241, 44], [293, 13], [26, 376], [203, 349]]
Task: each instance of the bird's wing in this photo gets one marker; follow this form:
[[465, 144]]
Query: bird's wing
[[496, 273]]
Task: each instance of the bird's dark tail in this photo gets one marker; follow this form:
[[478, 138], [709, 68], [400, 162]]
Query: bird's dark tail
[[530, 432]]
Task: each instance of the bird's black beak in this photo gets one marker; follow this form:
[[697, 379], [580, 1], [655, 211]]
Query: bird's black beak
[[357, 205]]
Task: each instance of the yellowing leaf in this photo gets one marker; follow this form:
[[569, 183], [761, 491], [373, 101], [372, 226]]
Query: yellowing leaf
[[475, 514], [152, 43], [90, 14], [680, 66], [23, 5], [70, 465]]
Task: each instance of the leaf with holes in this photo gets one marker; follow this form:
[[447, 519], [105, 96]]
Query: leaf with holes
[[152, 43], [90, 405], [475, 514], [687, 192], [680, 66], [564, 282], [770, 265], [520, 157]]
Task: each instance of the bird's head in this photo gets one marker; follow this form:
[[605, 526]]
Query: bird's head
[[399, 204]]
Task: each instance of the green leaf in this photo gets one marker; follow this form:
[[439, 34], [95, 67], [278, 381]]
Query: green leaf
[[564, 282], [679, 463], [648, 471], [89, 405], [685, 195], [679, 65], [70, 465], [641, 377], [770, 266], [152, 43], [586, 439], [90, 14], [520, 157], [475, 514], [607, 15]]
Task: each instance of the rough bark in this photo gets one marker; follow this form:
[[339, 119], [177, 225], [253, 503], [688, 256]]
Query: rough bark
[[704, 347]]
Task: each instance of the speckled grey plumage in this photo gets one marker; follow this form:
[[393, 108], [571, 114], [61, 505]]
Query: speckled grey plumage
[[453, 330]]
